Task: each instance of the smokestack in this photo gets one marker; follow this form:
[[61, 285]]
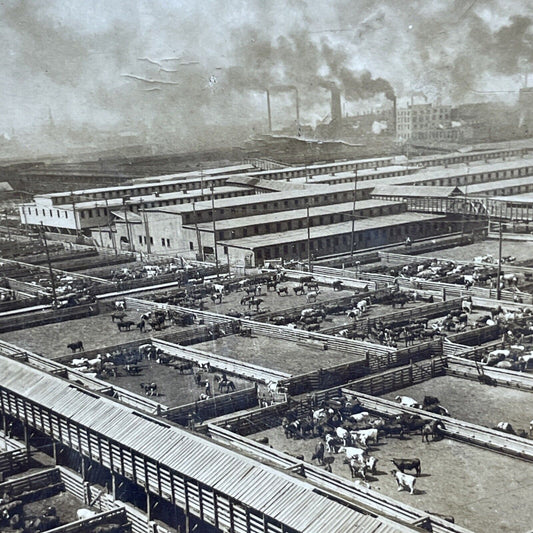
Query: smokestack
[[269, 112], [297, 107], [394, 116], [336, 109]]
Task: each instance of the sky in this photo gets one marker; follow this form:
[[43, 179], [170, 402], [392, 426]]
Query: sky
[[191, 74]]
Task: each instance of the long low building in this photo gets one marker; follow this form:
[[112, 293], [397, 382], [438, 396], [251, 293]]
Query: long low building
[[333, 239], [202, 479], [89, 214]]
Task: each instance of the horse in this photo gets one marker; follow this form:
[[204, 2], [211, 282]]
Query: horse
[[185, 366], [433, 428], [76, 346], [226, 384]]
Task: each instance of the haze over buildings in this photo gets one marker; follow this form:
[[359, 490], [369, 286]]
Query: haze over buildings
[[181, 75]]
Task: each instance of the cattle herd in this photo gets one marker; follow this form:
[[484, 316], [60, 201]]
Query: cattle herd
[[344, 428]]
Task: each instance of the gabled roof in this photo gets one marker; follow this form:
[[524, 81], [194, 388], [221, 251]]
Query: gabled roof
[[416, 191], [5, 186]]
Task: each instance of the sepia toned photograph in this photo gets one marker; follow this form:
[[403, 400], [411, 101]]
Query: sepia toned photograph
[[266, 266]]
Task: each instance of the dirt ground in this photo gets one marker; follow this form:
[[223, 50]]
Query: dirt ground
[[174, 388], [482, 490], [96, 332], [278, 354], [474, 402], [64, 502], [520, 250]]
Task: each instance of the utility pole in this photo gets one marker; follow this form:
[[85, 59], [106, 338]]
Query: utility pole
[[353, 215], [147, 232], [308, 242], [111, 232], [498, 288], [214, 225], [52, 278], [198, 237], [7, 226]]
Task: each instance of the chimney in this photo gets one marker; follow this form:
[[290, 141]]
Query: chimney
[[394, 116], [336, 109], [269, 112], [297, 107]]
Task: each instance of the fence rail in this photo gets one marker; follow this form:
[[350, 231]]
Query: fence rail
[[238, 368], [458, 429]]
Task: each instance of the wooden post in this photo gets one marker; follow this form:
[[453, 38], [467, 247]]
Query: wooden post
[[148, 505]]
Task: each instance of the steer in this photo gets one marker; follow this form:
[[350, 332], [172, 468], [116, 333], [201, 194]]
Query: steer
[[366, 435], [404, 481], [353, 453], [407, 464]]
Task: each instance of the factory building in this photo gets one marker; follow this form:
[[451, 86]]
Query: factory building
[[82, 216], [424, 122], [332, 239]]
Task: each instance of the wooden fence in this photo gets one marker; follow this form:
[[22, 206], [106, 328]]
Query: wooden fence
[[366, 499], [13, 460], [325, 378], [458, 429], [238, 368], [400, 317], [113, 516], [39, 318], [27, 487], [214, 407], [398, 378], [86, 493], [458, 366], [357, 349], [476, 336]]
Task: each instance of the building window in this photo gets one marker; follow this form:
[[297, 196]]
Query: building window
[[90, 213], [82, 214], [162, 241], [58, 214], [151, 241], [225, 250], [140, 239], [66, 214], [168, 243], [191, 245]]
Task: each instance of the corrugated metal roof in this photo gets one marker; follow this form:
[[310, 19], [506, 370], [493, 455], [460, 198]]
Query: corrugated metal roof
[[479, 188], [416, 191], [281, 216], [329, 230], [274, 493]]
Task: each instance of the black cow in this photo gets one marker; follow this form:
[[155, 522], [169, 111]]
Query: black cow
[[75, 346], [408, 464], [125, 325]]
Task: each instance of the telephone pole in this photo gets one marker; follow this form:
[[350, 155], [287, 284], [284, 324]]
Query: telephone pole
[[52, 278], [214, 226], [308, 242], [498, 288], [353, 215]]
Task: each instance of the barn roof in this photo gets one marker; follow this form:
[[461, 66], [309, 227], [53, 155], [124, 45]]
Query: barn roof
[[416, 191], [277, 494]]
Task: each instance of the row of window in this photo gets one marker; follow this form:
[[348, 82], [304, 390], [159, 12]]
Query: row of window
[[362, 240]]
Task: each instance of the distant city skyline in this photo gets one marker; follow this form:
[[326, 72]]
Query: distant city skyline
[[193, 73]]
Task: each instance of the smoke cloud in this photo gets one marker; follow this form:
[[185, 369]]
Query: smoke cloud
[[186, 76]]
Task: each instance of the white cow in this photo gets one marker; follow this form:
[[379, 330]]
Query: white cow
[[353, 453], [407, 401], [404, 481], [366, 435], [359, 417], [344, 435], [84, 514]]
